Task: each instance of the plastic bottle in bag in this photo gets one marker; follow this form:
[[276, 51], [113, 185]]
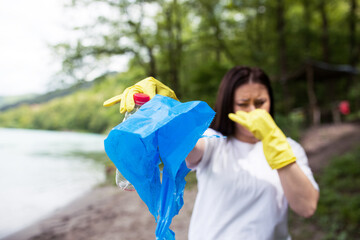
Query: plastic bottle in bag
[[139, 99]]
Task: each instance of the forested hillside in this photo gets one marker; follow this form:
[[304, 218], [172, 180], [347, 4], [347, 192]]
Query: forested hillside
[[82, 110]]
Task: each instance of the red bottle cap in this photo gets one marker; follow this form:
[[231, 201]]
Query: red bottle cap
[[141, 98]]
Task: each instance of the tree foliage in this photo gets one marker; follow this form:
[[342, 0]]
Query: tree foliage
[[178, 40], [189, 45]]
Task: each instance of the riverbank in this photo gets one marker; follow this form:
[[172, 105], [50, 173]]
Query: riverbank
[[108, 214]]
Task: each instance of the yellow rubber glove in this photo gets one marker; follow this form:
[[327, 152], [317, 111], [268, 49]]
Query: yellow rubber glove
[[277, 150], [149, 86]]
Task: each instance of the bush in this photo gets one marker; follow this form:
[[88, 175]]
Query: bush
[[338, 213], [339, 205], [291, 124]]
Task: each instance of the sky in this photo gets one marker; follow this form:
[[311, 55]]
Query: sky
[[27, 28]]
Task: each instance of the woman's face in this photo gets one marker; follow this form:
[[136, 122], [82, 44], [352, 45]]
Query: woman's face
[[249, 97]]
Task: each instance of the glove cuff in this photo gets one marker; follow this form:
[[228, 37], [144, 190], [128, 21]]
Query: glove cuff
[[282, 163], [277, 150]]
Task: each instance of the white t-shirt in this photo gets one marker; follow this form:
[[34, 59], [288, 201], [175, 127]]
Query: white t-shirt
[[239, 196]]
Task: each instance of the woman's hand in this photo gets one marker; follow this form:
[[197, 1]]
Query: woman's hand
[[149, 86], [300, 193], [277, 150]]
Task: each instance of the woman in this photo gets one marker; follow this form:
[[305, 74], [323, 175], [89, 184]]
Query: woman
[[244, 184], [249, 175]]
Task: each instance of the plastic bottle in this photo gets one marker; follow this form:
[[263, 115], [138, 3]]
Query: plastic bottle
[[139, 99]]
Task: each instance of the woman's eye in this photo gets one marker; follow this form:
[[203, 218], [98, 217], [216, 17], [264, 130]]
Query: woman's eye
[[242, 104], [259, 104]]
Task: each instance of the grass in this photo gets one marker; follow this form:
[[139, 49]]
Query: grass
[[338, 213], [190, 180]]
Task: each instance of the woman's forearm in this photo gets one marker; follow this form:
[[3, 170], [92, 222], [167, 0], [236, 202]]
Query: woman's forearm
[[194, 157], [300, 193]]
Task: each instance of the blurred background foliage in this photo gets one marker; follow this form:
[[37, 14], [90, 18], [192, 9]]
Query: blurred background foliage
[[189, 45], [339, 207], [338, 213]]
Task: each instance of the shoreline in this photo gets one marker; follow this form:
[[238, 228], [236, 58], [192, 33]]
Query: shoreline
[[37, 227], [105, 213]]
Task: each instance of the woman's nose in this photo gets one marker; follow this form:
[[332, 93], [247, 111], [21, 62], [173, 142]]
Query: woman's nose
[[251, 107]]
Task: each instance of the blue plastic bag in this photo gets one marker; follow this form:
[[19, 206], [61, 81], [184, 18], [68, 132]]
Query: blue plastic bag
[[162, 128]]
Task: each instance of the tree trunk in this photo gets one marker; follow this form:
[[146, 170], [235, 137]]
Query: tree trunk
[[331, 96], [306, 35], [150, 68], [178, 45], [221, 44], [325, 31], [354, 48], [152, 64], [282, 51], [314, 113], [255, 34], [174, 46]]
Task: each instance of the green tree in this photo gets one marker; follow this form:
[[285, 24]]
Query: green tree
[[183, 43]]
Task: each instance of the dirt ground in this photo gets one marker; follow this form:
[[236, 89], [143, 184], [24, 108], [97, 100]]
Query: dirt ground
[[108, 214]]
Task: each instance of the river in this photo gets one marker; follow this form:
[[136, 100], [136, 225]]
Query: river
[[39, 173]]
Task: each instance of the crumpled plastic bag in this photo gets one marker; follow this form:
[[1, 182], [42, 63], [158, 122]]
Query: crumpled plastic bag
[[164, 130]]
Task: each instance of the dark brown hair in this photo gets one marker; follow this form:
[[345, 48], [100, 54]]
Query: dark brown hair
[[234, 78]]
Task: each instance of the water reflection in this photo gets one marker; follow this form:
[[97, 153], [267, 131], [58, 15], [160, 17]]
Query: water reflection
[[39, 173]]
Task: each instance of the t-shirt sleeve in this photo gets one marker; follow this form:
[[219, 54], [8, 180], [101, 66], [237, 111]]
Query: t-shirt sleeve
[[210, 138], [302, 161]]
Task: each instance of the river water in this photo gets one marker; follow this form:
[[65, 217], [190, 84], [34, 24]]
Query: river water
[[39, 173]]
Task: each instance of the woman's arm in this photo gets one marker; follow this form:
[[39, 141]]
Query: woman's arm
[[300, 193], [194, 157]]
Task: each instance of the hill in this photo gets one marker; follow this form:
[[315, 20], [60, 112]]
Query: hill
[[11, 100], [15, 101], [78, 108]]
